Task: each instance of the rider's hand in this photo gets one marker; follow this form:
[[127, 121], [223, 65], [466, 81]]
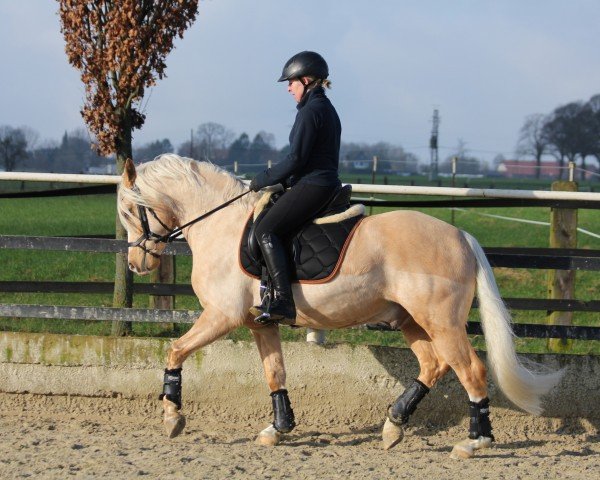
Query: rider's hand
[[254, 185]]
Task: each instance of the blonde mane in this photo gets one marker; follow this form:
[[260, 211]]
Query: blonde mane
[[207, 183]]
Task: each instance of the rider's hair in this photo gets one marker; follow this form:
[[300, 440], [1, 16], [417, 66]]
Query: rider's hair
[[325, 83]]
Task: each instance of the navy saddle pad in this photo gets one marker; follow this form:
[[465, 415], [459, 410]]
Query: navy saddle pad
[[316, 251]]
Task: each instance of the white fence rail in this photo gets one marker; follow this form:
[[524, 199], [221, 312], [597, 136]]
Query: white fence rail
[[60, 177], [356, 188]]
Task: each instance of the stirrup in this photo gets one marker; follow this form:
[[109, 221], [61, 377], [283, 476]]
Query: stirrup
[[265, 318], [258, 310], [266, 294]]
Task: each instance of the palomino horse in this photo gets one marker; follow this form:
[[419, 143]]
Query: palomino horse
[[403, 267]]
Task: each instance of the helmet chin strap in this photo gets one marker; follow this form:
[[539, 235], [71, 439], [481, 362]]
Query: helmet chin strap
[[306, 87]]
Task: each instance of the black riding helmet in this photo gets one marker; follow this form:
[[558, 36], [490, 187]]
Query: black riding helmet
[[305, 64]]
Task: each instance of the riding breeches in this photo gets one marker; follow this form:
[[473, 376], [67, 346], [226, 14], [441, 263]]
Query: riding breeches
[[296, 207]]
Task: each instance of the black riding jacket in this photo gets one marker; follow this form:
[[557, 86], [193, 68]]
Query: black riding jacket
[[314, 146]]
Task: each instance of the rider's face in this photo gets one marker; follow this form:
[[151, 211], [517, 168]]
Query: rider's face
[[296, 89]]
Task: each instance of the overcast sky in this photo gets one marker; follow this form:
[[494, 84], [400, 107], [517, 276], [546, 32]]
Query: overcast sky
[[485, 65]]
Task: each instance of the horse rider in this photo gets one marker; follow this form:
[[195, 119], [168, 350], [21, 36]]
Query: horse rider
[[309, 172]]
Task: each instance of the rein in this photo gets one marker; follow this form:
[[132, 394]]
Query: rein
[[171, 234]]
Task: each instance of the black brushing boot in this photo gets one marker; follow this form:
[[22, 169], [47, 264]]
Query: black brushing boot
[[279, 307]]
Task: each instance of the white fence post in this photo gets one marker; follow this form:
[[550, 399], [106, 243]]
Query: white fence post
[[315, 336]]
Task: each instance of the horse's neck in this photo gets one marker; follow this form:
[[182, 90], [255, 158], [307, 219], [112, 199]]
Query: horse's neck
[[215, 241], [218, 231], [193, 201]]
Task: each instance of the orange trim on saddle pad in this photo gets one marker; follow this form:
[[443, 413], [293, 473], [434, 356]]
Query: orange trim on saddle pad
[[321, 280]]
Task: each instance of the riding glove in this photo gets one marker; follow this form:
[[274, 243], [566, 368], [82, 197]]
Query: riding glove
[[254, 186]]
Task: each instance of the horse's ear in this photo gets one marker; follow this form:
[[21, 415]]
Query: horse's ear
[[129, 173]]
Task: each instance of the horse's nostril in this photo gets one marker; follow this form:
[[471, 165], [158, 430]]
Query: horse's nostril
[[131, 267]]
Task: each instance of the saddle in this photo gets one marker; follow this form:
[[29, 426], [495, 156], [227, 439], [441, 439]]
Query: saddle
[[317, 250]]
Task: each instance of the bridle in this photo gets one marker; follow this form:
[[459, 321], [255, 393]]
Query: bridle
[[147, 233], [172, 233]]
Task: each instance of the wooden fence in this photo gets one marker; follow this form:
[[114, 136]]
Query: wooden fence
[[562, 259], [536, 258]]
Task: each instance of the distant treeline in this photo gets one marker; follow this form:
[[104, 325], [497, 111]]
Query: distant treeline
[[570, 133], [209, 142]]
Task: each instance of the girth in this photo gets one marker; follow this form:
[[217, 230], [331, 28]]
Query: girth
[[317, 250]]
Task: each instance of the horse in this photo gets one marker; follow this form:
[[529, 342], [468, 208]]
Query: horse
[[413, 271]]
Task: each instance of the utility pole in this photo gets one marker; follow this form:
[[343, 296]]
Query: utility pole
[[433, 146]]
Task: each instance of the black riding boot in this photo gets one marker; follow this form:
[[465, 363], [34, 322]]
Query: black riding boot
[[279, 308]]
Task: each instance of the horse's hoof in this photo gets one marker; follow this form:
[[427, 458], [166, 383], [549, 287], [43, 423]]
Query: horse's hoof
[[392, 434], [466, 448], [269, 437], [174, 425], [173, 421]]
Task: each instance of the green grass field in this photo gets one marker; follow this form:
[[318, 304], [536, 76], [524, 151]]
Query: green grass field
[[94, 215]]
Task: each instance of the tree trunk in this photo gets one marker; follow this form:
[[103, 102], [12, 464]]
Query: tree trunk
[[583, 168], [561, 164], [165, 273], [123, 292]]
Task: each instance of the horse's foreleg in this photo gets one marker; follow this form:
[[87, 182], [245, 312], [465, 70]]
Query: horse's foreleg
[[432, 368], [211, 325], [268, 342]]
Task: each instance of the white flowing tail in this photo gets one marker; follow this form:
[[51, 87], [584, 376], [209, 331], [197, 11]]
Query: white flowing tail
[[521, 385]]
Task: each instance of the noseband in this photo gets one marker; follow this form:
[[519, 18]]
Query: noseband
[[147, 233]]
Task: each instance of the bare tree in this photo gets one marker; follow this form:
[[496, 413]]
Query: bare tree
[[594, 127], [151, 150], [120, 49], [571, 132], [466, 164], [561, 132], [262, 149], [32, 137], [533, 140], [75, 153], [213, 139], [392, 158], [461, 149], [13, 147], [587, 135]]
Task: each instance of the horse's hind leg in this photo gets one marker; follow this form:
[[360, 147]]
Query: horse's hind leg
[[432, 368], [453, 345], [268, 342]]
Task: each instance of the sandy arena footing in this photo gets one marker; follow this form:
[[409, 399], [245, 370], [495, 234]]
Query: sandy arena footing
[[87, 407]]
